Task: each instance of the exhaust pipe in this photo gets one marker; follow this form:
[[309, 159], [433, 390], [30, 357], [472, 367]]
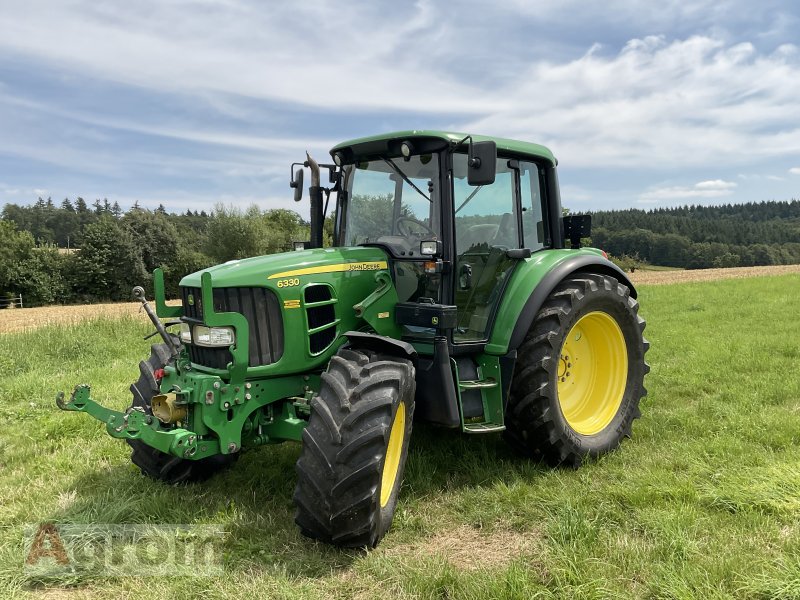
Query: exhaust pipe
[[315, 193]]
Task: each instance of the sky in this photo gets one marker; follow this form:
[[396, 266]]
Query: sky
[[189, 103]]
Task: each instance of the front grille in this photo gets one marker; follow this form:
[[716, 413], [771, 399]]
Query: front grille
[[261, 309]]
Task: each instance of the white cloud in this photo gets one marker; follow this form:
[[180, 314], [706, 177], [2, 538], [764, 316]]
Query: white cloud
[[713, 188], [714, 185], [660, 104], [711, 95], [795, 170], [313, 53]]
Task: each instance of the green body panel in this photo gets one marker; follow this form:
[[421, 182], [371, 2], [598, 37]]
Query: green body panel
[[503, 144], [528, 274], [356, 276]]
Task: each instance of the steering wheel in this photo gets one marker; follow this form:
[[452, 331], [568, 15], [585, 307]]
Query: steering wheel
[[402, 224]]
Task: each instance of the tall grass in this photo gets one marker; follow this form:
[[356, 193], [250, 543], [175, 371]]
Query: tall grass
[[704, 502]]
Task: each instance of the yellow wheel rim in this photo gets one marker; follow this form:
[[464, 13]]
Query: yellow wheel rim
[[592, 373], [393, 452]]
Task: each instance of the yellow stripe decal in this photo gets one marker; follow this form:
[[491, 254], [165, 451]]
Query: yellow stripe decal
[[335, 268], [291, 304]]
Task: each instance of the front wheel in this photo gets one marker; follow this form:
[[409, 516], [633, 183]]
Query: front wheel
[[354, 449], [580, 372]]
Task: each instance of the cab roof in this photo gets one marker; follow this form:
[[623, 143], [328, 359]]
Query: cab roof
[[371, 143]]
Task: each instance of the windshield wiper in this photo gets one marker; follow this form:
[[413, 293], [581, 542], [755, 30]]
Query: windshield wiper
[[470, 197], [397, 170]]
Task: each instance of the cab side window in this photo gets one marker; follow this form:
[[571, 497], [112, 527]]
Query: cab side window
[[535, 231], [485, 215]]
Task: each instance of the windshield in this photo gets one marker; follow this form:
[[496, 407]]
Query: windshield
[[393, 202]]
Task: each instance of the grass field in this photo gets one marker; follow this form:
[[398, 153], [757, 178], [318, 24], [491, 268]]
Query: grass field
[[704, 502]]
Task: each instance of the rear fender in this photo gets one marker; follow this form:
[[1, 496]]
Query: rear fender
[[584, 263]]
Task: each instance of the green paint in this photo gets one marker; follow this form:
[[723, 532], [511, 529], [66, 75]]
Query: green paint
[[350, 288], [377, 309], [528, 274], [136, 425], [162, 310], [490, 386]]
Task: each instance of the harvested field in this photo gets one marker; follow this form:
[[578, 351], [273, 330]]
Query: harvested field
[[666, 277], [12, 320], [23, 319]]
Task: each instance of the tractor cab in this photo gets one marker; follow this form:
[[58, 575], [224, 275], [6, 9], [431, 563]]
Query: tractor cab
[[454, 215]]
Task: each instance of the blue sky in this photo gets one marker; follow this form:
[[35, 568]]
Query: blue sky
[[193, 102]]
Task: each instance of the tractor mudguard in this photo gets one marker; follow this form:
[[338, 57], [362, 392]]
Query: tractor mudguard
[[582, 263], [380, 343]]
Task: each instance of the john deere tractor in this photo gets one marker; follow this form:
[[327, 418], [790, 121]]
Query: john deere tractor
[[453, 292]]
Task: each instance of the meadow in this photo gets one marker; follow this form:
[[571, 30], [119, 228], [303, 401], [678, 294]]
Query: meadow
[[703, 502]]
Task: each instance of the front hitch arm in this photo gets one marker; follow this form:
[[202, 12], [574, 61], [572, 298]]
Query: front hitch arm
[[138, 293], [135, 424]]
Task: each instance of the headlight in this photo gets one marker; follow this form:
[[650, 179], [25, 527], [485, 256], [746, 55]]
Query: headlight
[[213, 336], [186, 333]]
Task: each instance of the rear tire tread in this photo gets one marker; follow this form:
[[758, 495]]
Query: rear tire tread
[[534, 425]]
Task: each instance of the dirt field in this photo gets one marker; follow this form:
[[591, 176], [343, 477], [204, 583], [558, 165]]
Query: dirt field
[[29, 318], [667, 277]]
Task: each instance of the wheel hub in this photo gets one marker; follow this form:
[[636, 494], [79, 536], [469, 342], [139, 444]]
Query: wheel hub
[[592, 373]]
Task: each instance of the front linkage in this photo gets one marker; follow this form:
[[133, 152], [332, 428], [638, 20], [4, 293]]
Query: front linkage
[[197, 415], [135, 424]]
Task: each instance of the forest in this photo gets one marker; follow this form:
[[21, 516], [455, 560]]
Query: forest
[[74, 253], [77, 253], [700, 237]]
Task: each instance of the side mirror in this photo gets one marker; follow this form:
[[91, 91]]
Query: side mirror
[[297, 185], [481, 163]]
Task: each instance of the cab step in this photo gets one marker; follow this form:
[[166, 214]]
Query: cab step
[[483, 427]]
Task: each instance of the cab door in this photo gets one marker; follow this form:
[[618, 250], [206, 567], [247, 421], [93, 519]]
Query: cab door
[[487, 225]]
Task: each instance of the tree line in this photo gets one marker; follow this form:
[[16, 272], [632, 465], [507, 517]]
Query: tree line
[[699, 237], [74, 253]]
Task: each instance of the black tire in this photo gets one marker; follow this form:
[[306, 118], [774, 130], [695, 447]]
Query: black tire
[[535, 418], [154, 463], [341, 497]]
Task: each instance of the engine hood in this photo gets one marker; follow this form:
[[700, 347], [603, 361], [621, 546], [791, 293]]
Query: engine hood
[[265, 270]]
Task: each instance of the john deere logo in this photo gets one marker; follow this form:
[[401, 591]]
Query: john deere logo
[[191, 300]]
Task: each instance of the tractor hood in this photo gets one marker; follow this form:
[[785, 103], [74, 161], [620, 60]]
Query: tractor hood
[[266, 270]]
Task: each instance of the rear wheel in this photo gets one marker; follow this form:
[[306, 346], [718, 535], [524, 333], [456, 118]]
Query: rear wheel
[[154, 463], [580, 372], [354, 449]]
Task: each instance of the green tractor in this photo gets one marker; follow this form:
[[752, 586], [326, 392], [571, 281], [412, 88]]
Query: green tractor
[[454, 291]]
